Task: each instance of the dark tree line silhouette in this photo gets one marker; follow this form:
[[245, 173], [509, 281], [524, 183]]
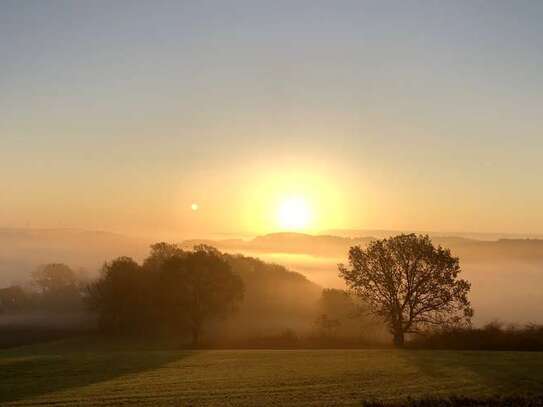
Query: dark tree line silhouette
[[174, 292], [492, 336], [405, 281], [403, 284], [55, 287]]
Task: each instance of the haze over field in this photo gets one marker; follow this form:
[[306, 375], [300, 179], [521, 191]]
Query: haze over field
[[206, 120], [506, 274]]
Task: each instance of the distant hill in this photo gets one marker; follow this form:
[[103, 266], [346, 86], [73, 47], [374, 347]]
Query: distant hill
[[275, 298], [317, 245], [336, 246], [21, 250], [506, 273], [381, 233]]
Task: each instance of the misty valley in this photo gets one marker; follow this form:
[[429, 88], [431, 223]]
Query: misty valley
[[283, 293], [271, 203], [202, 303]]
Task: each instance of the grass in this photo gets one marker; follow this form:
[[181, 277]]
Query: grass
[[92, 372]]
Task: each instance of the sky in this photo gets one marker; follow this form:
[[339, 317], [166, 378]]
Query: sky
[[128, 115]]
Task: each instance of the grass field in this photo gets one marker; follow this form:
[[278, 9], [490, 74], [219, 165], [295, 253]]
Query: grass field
[[88, 372]]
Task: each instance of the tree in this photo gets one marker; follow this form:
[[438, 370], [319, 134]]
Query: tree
[[338, 304], [160, 253], [119, 297], [327, 326], [334, 307], [58, 286], [54, 277], [409, 283], [342, 315], [13, 298], [198, 286], [173, 292]]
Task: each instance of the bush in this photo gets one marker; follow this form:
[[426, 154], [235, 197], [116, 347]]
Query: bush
[[494, 336], [515, 401]]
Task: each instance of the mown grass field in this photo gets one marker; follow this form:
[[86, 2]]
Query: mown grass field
[[88, 372]]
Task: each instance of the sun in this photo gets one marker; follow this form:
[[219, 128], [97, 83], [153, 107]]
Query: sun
[[294, 214]]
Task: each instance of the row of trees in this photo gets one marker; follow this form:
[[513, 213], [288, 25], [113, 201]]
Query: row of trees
[[404, 282], [172, 292], [52, 287]]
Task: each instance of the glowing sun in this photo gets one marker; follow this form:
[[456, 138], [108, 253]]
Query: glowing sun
[[294, 214]]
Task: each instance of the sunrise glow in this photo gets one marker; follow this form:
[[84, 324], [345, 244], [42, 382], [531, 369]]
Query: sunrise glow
[[294, 214]]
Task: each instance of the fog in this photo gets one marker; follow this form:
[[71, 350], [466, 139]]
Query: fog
[[506, 291], [506, 275]]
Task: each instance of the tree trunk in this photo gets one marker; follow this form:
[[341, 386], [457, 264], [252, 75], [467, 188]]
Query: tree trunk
[[399, 339], [195, 334]]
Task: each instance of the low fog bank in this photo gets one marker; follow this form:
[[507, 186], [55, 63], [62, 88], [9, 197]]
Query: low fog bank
[[506, 277], [279, 307], [506, 274], [509, 291], [22, 250], [337, 246]]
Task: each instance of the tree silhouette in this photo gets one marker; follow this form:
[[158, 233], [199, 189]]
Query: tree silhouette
[[54, 277], [160, 253], [13, 298], [59, 288], [409, 283], [173, 292], [198, 286], [119, 297]]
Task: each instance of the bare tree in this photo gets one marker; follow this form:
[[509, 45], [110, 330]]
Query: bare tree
[[409, 283]]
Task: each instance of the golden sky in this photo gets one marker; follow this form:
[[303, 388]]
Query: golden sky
[[271, 116]]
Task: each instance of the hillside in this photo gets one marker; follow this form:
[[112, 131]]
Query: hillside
[[21, 250], [506, 274], [336, 246]]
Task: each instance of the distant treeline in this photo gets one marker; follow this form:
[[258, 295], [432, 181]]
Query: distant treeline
[[178, 293], [174, 292], [53, 287], [493, 336], [469, 249], [462, 401], [205, 297]]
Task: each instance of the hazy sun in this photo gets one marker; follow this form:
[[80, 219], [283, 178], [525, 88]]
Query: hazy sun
[[294, 214]]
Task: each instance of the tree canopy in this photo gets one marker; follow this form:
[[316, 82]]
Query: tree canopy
[[174, 291], [58, 286], [198, 286], [54, 277]]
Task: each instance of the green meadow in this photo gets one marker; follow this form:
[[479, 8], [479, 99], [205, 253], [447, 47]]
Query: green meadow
[[91, 372]]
